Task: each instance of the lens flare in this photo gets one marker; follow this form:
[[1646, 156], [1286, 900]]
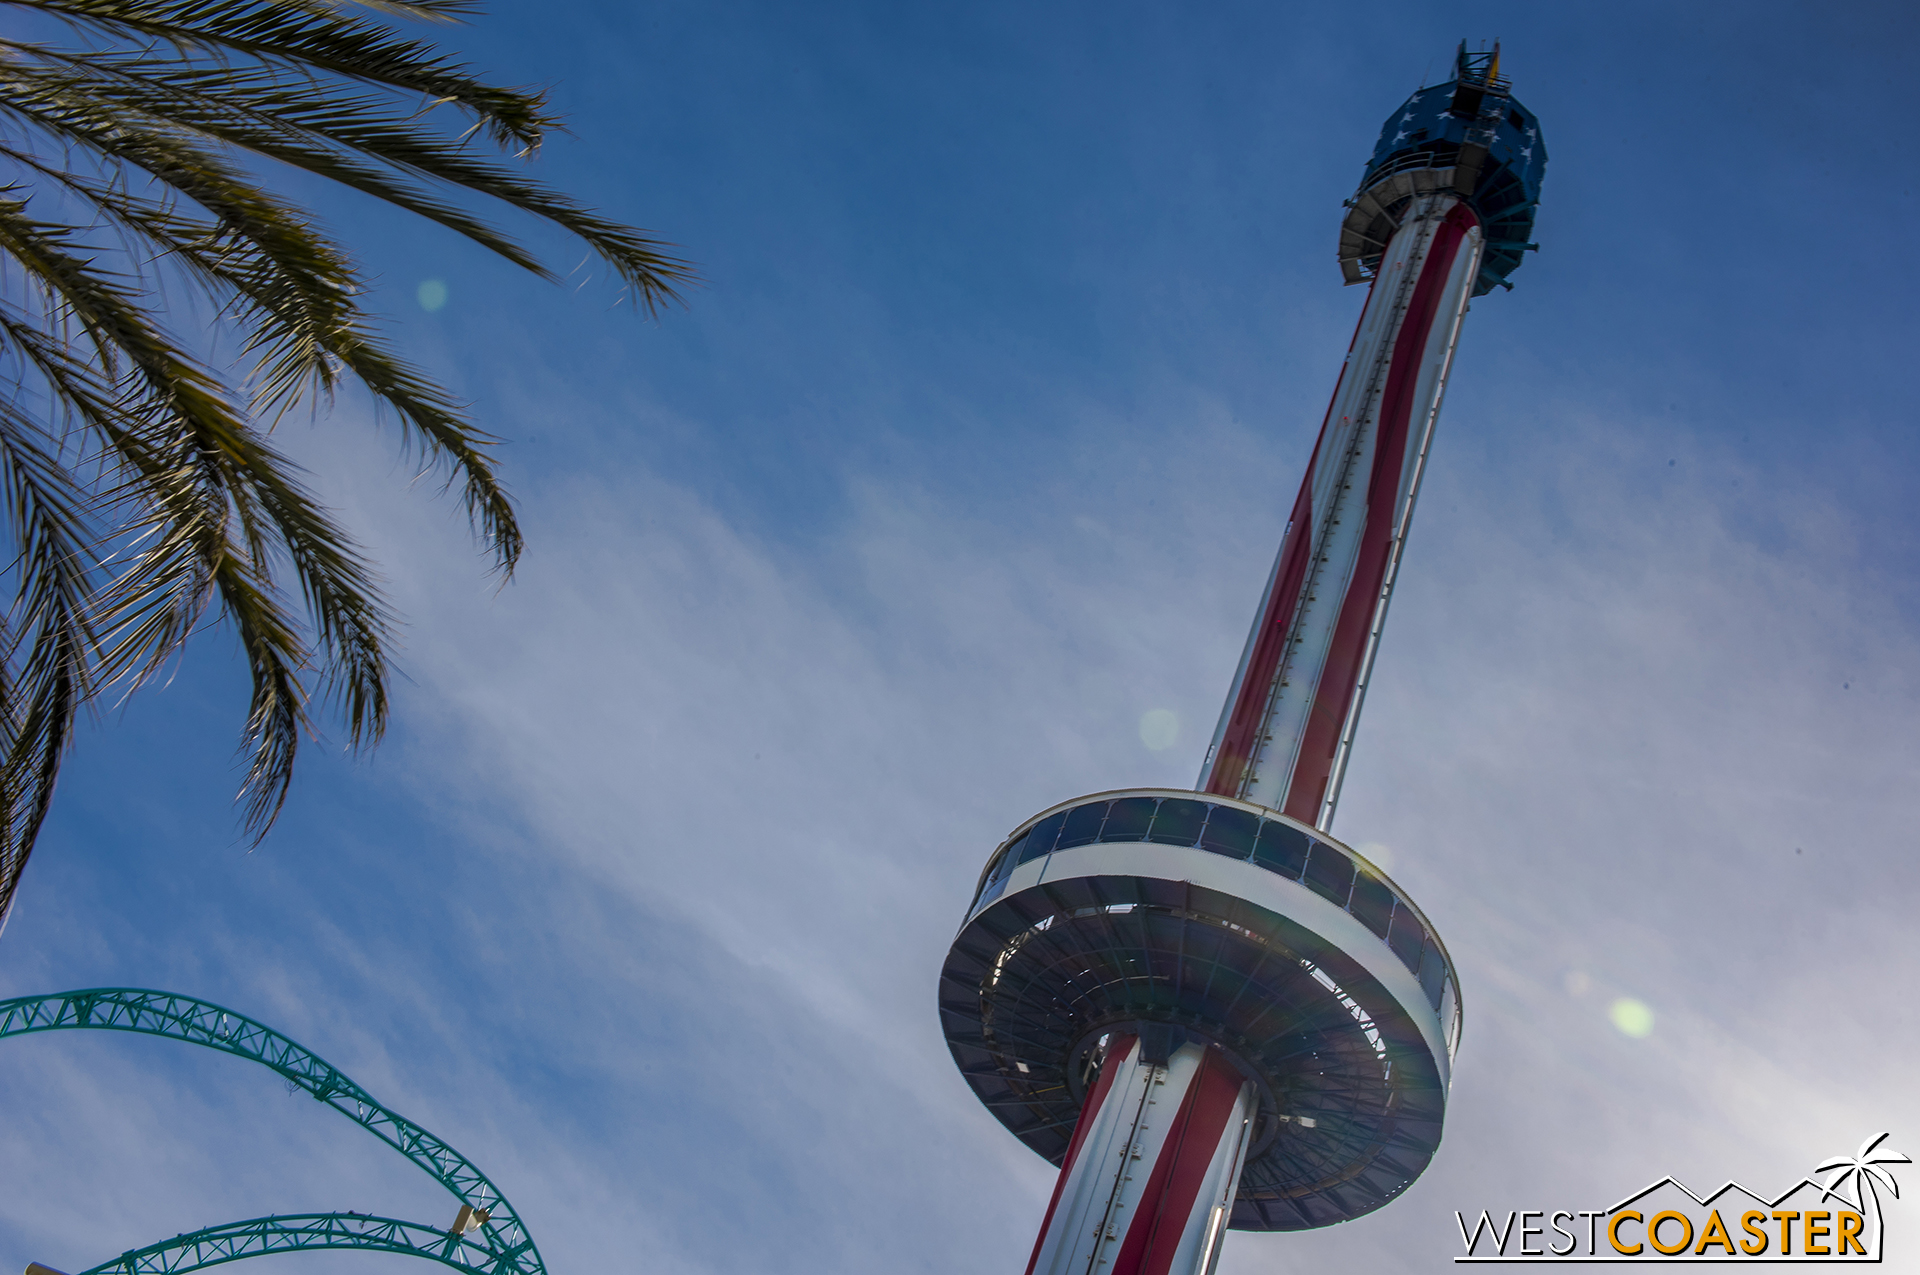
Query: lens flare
[[1631, 1017], [1159, 729]]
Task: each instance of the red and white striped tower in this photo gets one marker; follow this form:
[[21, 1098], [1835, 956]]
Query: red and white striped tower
[[1150, 1176], [1289, 720], [1203, 1008], [1147, 1186]]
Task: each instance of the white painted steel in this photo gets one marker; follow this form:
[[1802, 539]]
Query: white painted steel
[[1084, 1211], [1429, 390], [1107, 1183], [1199, 1250], [1342, 463]]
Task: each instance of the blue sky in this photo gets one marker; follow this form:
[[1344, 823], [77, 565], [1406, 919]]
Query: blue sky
[[975, 448]]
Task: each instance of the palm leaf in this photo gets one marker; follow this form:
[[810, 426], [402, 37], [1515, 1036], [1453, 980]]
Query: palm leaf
[[139, 489]]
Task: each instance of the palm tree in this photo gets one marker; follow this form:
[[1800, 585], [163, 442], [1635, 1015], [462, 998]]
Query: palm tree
[[1863, 1169], [139, 240]]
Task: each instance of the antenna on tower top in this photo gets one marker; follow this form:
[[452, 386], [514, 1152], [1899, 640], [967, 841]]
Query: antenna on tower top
[[1480, 69]]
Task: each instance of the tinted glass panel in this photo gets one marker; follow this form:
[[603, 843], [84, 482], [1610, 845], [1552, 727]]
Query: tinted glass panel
[[1283, 849], [1372, 902], [1129, 819], [992, 892], [1230, 832], [1329, 873], [1407, 939], [1433, 975], [1178, 823], [1083, 825], [1004, 864], [1040, 840]]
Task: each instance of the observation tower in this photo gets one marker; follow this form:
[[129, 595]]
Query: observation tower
[[1207, 1011]]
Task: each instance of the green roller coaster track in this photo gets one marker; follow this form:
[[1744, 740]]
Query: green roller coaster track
[[499, 1246], [262, 1235]]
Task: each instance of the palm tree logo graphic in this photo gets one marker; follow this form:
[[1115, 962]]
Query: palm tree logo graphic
[[1865, 1171]]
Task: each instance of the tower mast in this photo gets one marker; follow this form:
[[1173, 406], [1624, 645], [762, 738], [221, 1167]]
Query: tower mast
[[1203, 1008], [1416, 231]]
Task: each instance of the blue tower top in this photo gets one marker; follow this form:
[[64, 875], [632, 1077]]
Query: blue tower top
[[1469, 135]]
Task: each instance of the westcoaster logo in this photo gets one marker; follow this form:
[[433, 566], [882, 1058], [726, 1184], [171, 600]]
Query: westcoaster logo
[[1666, 1222]]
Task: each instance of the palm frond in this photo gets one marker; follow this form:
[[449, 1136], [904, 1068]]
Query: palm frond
[[1885, 1157], [214, 449], [50, 619], [138, 487], [290, 118], [323, 38]]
